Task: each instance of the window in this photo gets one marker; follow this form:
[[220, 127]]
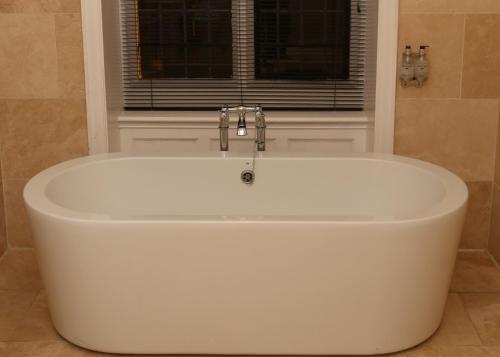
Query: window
[[184, 39], [300, 40], [282, 54]]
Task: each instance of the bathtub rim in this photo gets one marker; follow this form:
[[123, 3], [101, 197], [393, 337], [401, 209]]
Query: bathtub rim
[[35, 198]]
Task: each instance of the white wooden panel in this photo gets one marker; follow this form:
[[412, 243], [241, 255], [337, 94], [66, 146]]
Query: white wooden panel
[[163, 145], [242, 145], [162, 139], [318, 146]]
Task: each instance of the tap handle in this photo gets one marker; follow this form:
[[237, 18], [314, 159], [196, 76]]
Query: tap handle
[[224, 118], [260, 119]]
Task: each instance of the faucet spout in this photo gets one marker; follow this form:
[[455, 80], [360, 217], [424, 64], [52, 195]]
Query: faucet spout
[[242, 125]]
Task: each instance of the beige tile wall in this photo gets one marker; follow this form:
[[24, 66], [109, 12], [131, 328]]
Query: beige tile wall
[[453, 120], [42, 99]]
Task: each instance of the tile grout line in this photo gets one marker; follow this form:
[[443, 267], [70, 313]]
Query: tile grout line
[[15, 249], [20, 249], [39, 292], [449, 13], [22, 290], [4, 254], [470, 319], [4, 197], [497, 265], [449, 99], [497, 292], [24, 317], [463, 56], [492, 196]]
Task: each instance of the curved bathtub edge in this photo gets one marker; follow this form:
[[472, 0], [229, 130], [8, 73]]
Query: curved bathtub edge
[[93, 348], [35, 198]]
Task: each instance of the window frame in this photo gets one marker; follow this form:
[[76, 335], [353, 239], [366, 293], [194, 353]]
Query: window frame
[[102, 95]]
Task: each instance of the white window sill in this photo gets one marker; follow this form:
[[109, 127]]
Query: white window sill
[[272, 117]]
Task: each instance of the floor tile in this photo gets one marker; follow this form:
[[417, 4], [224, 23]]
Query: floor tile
[[42, 349], [456, 328], [36, 325], [14, 305], [484, 311], [494, 351], [463, 351], [19, 270], [56, 349], [475, 272]]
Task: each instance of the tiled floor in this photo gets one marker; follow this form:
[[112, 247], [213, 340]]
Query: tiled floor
[[470, 328]]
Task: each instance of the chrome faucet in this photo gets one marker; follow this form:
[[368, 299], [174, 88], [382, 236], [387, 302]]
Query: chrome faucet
[[241, 130]]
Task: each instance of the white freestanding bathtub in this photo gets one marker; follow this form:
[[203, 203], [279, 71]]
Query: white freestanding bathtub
[[344, 255]]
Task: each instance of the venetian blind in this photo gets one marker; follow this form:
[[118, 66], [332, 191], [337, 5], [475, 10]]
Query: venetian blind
[[281, 54]]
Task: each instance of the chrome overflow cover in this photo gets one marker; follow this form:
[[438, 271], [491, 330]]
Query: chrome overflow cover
[[247, 176]]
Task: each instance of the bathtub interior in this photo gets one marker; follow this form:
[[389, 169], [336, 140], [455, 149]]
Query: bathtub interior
[[312, 188]]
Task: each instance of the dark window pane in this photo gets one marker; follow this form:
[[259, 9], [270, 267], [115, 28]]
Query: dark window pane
[[336, 5], [174, 72], [171, 29], [267, 5], [148, 4], [220, 27], [197, 27], [220, 4], [290, 4], [198, 71], [334, 32], [290, 28], [197, 4], [151, 61], [170, 4], [314, 26], [302, 39], [315, 4], [149, 26], [222, 55], [221, 71], [185, 39], [269, 32], [200, 55], [174, 55]]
